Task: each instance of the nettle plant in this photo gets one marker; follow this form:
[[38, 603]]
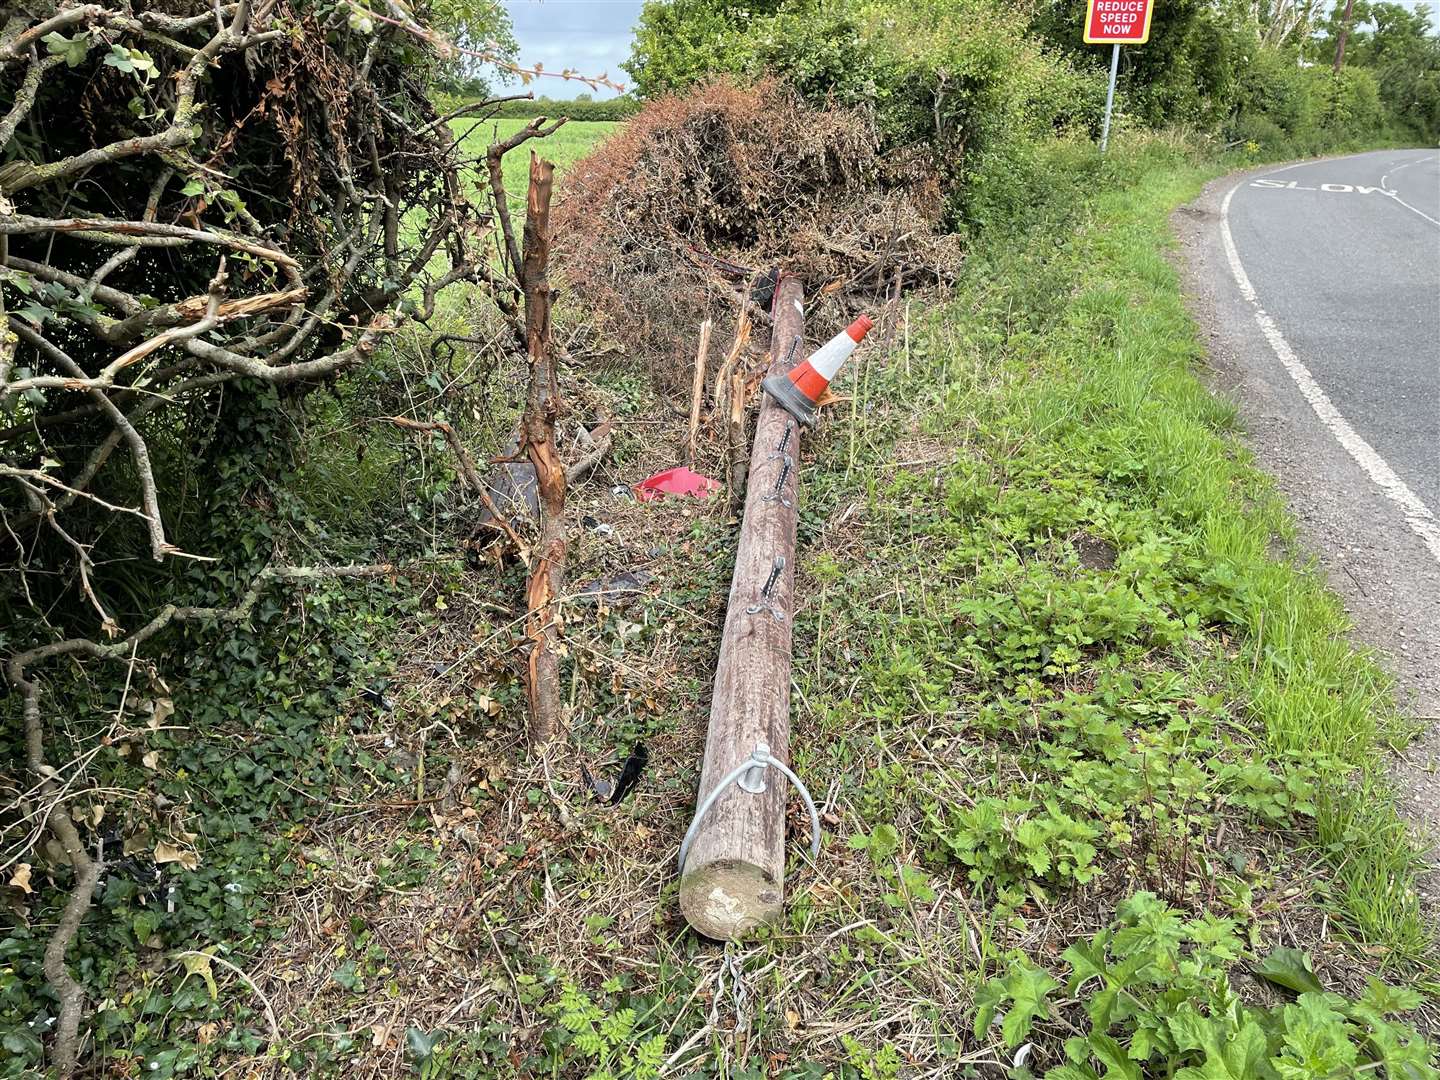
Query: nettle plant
[[1157, 999]]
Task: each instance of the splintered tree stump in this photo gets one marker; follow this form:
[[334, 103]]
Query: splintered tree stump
[[734, 875], [537, 439]]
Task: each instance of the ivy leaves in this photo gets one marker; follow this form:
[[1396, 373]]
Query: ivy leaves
[[48, 301], [73, 49], [205, 196]]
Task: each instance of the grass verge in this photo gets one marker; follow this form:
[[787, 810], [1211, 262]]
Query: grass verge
[[1101, 517], [1070, 643]]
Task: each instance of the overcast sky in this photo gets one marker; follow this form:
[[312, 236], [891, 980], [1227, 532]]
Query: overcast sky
[[591, 36]]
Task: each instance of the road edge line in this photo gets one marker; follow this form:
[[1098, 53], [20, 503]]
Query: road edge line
[[1418, 516]]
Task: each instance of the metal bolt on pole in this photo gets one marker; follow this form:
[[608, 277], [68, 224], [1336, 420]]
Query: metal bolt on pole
[[1110, 97]]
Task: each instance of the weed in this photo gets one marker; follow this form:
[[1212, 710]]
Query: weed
[[610, 1043], [1085, 605], [1158, 1000]]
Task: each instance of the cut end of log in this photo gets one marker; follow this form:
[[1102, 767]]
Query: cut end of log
[[729, 899]]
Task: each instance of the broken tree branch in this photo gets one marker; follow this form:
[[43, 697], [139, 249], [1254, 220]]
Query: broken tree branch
[[598, 445], [537, 441], [697, 391]]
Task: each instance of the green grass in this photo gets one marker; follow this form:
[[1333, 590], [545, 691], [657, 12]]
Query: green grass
[[1190, 716], [568, 145]]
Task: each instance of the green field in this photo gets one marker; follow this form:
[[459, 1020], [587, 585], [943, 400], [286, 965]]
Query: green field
[[565, 147]]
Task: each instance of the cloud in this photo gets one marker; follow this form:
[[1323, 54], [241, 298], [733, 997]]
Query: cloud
[[591, 36]]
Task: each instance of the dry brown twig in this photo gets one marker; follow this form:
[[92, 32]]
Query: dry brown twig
[[697, 389], [469, 475]]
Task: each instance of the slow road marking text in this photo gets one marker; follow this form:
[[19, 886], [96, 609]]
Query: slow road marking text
[[1295, 185]]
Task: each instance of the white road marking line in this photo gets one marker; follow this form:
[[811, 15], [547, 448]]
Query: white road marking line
[[1418, 516], [1402, 202], [1407, 164], [1396, 195], [1337, 189], [1287, 168]]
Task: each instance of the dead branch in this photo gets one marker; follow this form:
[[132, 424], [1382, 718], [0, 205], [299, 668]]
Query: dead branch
[[597, 445], [468, 473], [537, 437], [697, 391], [730, 403], [494, 156]]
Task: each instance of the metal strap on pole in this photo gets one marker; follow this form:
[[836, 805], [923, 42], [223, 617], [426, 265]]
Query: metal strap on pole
[[1110, 96], [749, 776]]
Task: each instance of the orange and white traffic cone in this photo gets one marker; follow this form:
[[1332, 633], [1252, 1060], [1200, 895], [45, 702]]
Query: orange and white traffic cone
[[798, 392]]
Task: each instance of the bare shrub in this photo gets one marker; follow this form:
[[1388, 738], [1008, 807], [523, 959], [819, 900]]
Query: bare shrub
[[698, 191]]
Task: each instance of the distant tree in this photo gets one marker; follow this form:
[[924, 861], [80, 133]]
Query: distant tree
[[1399, 47], [476, 26], [678, 42]]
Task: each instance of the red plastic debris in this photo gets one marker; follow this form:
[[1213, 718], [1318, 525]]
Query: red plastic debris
[[679, 481]]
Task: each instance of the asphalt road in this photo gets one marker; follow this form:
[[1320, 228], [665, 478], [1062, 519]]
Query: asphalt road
[[1318, 287], [1345, 257]]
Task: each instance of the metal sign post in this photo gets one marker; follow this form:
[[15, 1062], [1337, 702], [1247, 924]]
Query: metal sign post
[[1116, 22], [1110, 96]]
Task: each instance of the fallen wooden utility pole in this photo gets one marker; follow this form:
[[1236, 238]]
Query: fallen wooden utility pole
[[733, 859]]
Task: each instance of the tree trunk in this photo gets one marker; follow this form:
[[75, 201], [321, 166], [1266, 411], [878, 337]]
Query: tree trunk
[[734, 872], [537, 434], [1344, 35]]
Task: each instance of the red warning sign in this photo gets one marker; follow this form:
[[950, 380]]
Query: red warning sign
[[1125, 21]]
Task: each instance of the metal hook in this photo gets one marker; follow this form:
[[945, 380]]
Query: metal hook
[[784, 444], [767, 590], [759, 760], [779, 493]]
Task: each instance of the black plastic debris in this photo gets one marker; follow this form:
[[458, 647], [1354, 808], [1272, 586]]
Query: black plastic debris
[[630, 774], [611, 793], [614, 586], [376, 695]]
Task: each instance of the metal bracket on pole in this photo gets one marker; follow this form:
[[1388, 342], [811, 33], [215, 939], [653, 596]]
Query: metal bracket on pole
[[753, 778], [1110, 97], [766, 602], [778, 495], [779, 451], [748, 773]]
